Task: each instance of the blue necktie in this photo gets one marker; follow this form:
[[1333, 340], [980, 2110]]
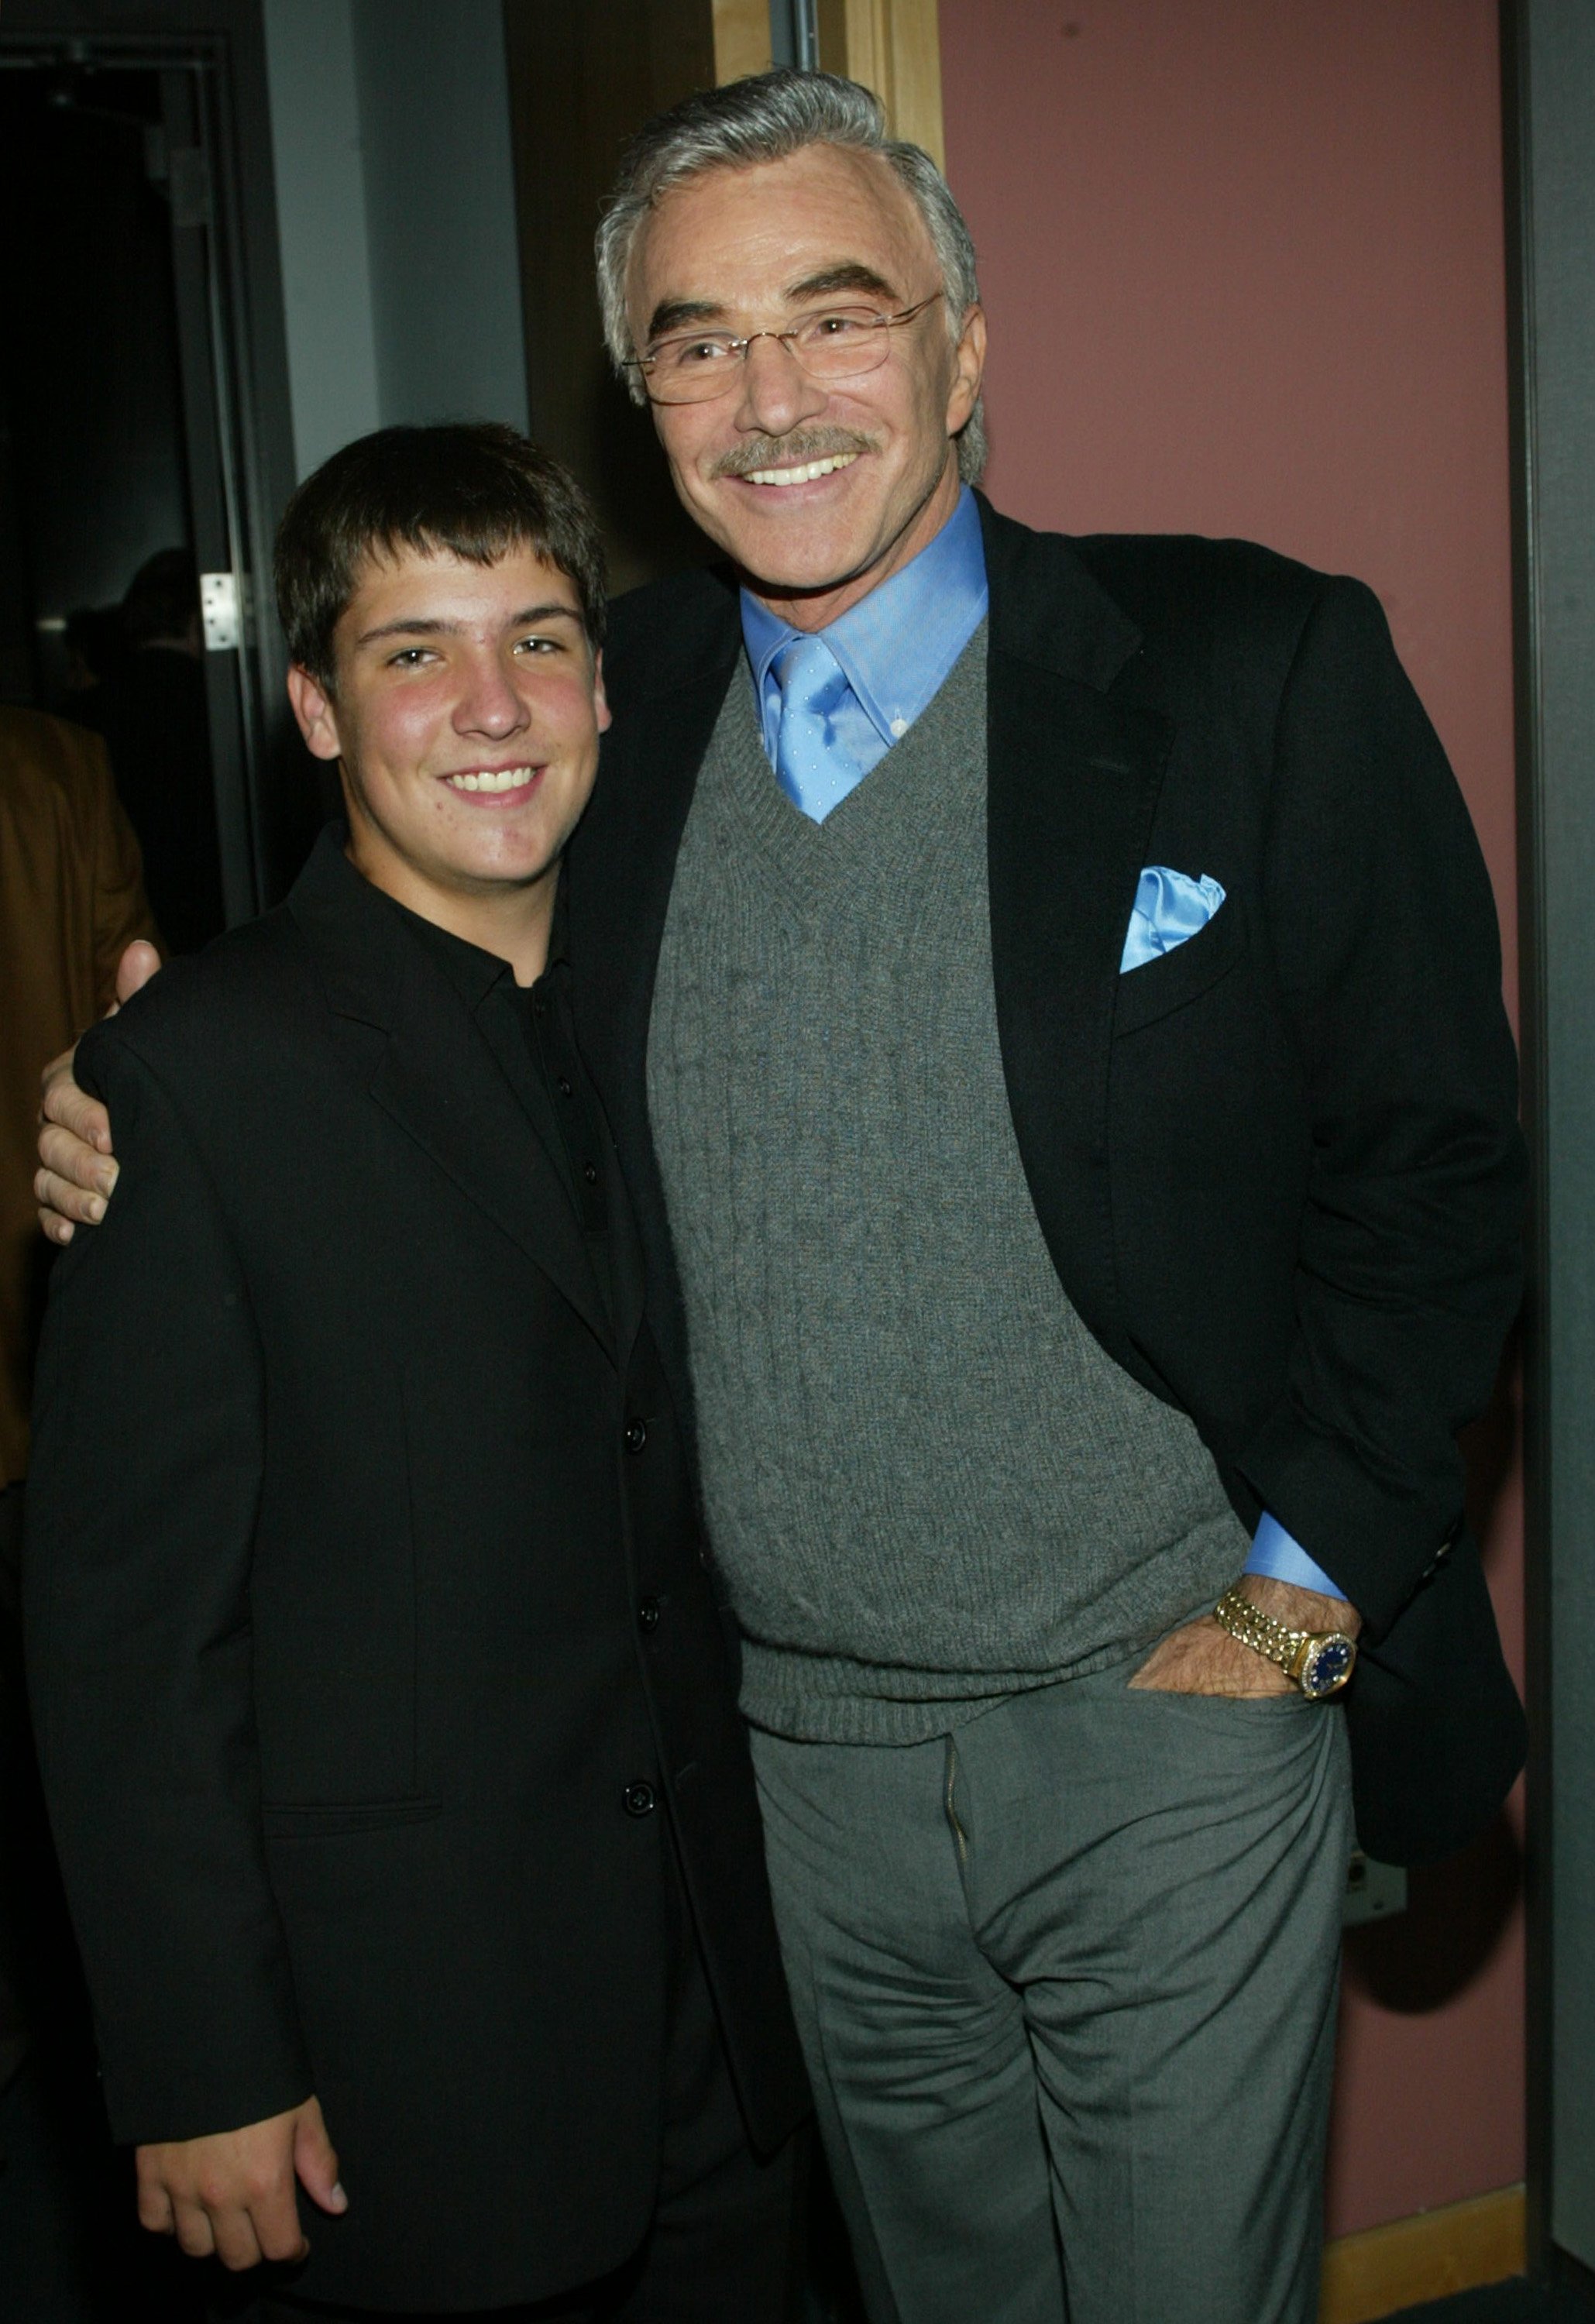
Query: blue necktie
[[811, 765]]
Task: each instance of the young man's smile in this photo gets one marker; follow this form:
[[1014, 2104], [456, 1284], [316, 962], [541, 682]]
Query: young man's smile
[[494, 786]]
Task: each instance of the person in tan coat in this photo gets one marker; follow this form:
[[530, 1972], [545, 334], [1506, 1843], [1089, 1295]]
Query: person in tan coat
[[72, 900]]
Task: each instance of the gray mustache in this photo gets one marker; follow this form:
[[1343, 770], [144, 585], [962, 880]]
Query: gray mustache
[[790, 451]]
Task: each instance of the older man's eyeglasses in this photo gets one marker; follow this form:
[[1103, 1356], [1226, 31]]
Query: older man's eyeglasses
[[834, 343]]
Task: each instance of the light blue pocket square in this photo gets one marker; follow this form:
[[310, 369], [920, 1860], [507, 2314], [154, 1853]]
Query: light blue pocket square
[[1169, 907]]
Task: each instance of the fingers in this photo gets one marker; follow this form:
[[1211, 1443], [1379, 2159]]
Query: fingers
[[74, 1184], [240, 2227], [228, 2232], [62, 1102], [77, 1174], [237, 2245], [193, 2229], [274, 2222], [61, 1198], [316, 2160], [65, 1153], [136, 966], [232, 2194], [155, 2204]]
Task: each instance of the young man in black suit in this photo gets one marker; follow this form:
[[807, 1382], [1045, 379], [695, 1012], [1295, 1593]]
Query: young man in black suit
[[384, 1708]]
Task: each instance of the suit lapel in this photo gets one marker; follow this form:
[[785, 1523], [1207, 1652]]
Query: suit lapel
[[439, 1082], [1073, 783], [436, 1077], [667, 685], [671, 661]]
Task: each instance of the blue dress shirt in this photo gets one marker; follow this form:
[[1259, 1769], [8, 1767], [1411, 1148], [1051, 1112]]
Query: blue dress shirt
[[896, 649]]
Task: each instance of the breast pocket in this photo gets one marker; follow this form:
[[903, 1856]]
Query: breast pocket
[[338, 1821], [1147, 994]]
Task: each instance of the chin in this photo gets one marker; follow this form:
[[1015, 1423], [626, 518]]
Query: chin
[[785, 555], [506, 866], [831, 524]]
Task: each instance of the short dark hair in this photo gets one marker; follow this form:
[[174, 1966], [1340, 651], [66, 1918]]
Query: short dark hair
[[473, 489]]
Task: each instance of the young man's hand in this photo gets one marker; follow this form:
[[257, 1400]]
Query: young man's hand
[[75, 1183], [1200, 1657], [232, 2194]]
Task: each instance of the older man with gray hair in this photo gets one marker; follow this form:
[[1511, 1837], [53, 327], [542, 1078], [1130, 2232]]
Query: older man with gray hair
[[1047, 995]]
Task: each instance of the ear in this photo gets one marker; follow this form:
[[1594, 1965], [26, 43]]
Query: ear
[[599, 703], [969, 366], [312, 707]]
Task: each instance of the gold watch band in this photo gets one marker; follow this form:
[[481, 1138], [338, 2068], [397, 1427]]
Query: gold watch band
[[1247, 1622], [1319, 1661]]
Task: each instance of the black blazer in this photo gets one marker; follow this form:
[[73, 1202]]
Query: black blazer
[[1278, 1169], [340, 1528]]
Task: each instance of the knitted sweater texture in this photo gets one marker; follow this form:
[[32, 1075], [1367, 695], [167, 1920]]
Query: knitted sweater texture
[[928, 1486]]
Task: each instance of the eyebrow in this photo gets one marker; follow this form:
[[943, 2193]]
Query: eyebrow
[[426, 627], [671, 312], [847, 275]]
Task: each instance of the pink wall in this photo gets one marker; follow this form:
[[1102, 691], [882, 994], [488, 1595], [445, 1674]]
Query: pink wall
[[1243, 261]]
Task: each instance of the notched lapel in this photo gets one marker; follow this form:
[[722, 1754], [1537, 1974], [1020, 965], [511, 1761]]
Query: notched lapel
[[620, 870], [1073, 785], [434, 1075], [439, 1082], [623, 861]]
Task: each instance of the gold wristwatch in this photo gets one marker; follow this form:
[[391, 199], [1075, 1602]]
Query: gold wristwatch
[[1319, 1661]]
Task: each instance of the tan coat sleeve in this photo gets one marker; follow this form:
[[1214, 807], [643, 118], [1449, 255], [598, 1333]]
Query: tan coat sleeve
[[121, 908], [72, 900]]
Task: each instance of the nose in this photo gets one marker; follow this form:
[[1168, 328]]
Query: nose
[[776, 393], [489, 701]]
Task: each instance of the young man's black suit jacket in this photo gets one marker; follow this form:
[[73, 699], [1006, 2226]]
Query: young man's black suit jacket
[[1278, 1169], [369, 1630]]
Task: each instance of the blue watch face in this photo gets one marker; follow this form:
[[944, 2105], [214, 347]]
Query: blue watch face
[[1329, 1666]]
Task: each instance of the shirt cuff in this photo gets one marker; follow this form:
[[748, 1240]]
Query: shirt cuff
[[1279, 1554]]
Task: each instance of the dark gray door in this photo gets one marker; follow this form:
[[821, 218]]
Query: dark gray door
[[1552, 52], [186, 159]]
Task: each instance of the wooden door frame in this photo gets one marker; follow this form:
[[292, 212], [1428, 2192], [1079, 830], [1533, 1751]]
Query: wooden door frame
[[893, 46]]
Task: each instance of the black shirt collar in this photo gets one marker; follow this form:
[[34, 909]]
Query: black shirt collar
[[472, 970]]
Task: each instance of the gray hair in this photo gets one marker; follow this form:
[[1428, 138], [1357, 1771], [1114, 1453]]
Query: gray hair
[[765, 117]]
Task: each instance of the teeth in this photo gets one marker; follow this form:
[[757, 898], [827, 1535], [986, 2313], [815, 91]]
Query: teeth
[[507, 778], [805, 474]]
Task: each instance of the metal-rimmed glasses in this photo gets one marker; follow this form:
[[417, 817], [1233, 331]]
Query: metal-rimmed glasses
[[833, 343]]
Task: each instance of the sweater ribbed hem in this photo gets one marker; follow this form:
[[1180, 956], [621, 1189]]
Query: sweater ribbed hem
[[827, 1699], [810, 1697]]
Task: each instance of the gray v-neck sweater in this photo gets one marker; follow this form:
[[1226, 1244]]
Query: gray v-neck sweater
[[928, 1486]]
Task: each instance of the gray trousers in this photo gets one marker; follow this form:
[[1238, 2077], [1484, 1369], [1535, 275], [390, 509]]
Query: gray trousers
[[1066, 1980]]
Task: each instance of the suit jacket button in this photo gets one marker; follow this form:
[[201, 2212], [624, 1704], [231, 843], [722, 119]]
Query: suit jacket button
[[639, 1799], [648, 1614], [636, 1435]]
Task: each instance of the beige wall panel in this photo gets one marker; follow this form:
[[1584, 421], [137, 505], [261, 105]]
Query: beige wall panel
[[893, 47], [742, 38], [582, 81]]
